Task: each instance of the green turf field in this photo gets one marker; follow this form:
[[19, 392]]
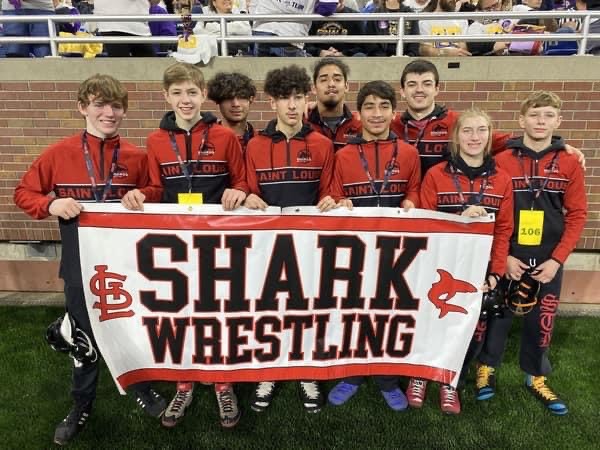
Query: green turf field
[[35, 385]]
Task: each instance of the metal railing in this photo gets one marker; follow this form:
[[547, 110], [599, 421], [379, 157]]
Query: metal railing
[[400, 40]]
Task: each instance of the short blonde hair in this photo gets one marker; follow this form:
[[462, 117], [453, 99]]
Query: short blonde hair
[[469, 114], [539, 99], [104, 88], [180, 72]]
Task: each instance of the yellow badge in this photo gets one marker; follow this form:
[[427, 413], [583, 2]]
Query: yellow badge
[[531, 227], [191, 198]]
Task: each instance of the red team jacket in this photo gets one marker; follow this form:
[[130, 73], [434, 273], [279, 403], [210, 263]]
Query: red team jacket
[[564, 190], [350, 126], [431, 135], [439, 193], [213, 155], [289, 173], [351, 180], [61, 169]]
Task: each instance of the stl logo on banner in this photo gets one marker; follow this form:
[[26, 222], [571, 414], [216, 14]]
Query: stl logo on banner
[[445, 289], [103, 288]]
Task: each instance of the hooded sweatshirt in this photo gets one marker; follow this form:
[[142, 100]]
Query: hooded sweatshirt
[[61, 170], [431, 135], [485, 186], [559, 179], [211, 153], [292, 172], [352, 181], [349, 126]]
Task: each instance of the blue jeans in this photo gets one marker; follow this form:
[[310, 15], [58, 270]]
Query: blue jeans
[[35, 29], [275, 48]]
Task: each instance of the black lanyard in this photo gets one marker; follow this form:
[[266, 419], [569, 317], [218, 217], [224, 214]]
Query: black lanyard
[[386, 174], [478, 198], [90, 168], [248, 134], [419, 135], [535, 195], [184, 165]]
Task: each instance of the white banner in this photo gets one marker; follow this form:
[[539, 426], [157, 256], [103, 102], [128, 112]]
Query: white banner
[[195, 293]]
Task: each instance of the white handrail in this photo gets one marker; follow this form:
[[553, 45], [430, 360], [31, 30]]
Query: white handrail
[[53, 40]]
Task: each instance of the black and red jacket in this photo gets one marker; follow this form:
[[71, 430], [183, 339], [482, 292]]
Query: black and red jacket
[[61, 171], [350, 126], [211, 152], [432, 134], [290, 172], [563, 198], [351, 181], [485, 186]]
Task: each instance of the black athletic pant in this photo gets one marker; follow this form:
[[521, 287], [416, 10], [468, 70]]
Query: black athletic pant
[[536, 334], [475, 347], [85, 377]]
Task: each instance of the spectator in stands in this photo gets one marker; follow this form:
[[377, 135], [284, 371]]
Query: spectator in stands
[[163, 28], [568, 23], [124, 8], [66, 8], [443, 27], [291, 29], [416, 5], [2, 47], [334, 27], [593, 45], [550, 25], [390, 28], [491, 27], [24, 29], [370, 6], [235, 28], [83, 6]]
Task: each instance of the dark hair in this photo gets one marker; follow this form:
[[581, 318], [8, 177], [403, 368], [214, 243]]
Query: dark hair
[[287, 80], [225, 86], [420, 66], [331, 62], [379, 89]]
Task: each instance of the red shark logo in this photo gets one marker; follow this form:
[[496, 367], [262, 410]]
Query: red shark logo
[[445, 289]]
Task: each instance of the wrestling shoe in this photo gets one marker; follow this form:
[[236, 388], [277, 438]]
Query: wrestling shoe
[[538, 387], [73, 423], [229, 410], [262, 396], [449, 399], [417, 388], [312, 398], [176, 409], [485, 382]]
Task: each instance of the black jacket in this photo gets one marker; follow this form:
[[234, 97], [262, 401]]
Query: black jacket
[[387, 28], [333, 27]]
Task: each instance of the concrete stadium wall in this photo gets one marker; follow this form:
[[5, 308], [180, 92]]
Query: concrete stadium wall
[[37, 107]]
